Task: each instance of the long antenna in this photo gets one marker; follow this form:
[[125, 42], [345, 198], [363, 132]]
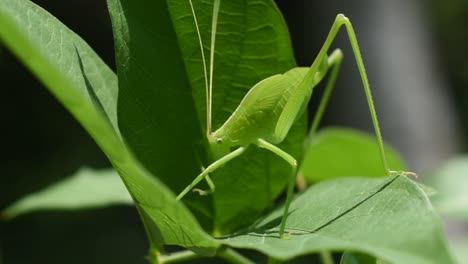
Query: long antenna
[[214, 23], [207, 90]]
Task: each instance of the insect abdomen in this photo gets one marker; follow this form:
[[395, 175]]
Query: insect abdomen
[[257, 114]]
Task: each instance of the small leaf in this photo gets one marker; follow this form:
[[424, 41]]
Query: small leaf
[[86, 189], [451, 183], [337, 152], [389, 218]]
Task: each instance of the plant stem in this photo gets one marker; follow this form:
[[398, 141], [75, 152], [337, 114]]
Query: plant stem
[[177, 257], [326, 257], [234, 257]]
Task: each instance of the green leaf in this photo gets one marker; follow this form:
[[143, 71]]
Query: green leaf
[[71, 70], [252, 43], [389, 218], [459, 246], [162, 102], [86, 189], [338, 152], [157, 116], [352, 213], [451, 199], [451, 183]]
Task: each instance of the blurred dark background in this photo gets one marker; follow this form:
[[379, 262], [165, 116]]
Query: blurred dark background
[[417, 61]]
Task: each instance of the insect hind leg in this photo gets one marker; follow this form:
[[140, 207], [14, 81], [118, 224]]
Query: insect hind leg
[[213, 166], [292, 180], [341, 21], [334, 62]]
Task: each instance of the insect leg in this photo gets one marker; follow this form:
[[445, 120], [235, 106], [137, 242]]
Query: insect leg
[[210, 185], [340, 21], [213, 166], [365, 82], [292, 180], [334, 62]]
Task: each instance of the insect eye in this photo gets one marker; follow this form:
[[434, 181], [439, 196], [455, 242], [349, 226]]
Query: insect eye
[[219, 141]]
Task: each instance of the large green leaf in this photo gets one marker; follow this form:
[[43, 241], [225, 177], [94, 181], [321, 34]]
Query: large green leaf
[[71, 70], [162, 101], [252, 43], [390, 218], [157, 117], [86, 189], [451, 183], [341, 152], [353, 213]]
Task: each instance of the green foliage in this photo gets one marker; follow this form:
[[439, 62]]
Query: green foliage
[[451, 199], [157, 116], [340, 152], [451, 182], [459, 247], [252, 43], [386, 217], [151, 126], [88, 89], [86, 189]]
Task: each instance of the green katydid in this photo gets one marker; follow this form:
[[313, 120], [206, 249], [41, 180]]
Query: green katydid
[[269, 109]]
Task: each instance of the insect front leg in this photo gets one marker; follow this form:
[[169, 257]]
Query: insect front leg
[[213, 166], [210, 183]]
